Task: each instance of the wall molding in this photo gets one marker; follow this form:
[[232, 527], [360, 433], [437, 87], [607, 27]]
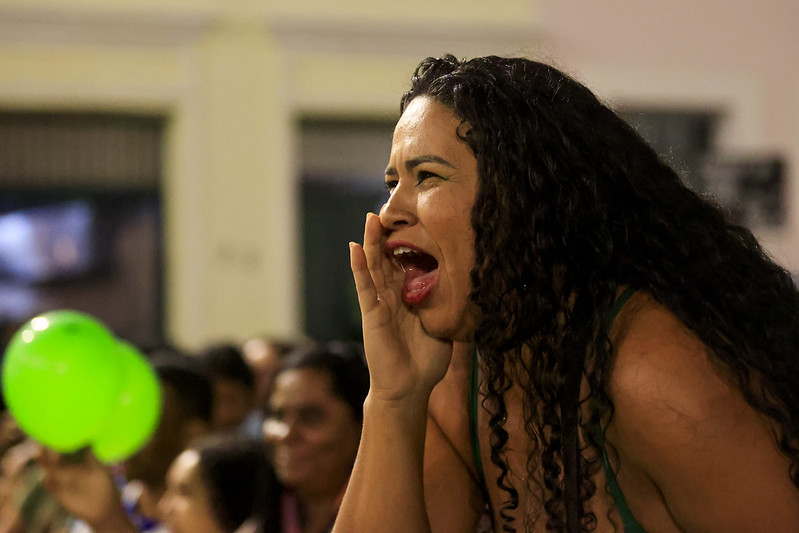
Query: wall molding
[[58, 25], [91, 26], [384, 38]]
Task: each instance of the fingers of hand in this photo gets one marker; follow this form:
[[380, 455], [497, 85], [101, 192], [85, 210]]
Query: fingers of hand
[[372, 261], [367, 294], [66, 471], [46, 457], [379, 266]]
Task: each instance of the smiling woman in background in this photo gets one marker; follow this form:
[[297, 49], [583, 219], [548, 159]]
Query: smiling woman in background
[[635, 365], [313, 426]]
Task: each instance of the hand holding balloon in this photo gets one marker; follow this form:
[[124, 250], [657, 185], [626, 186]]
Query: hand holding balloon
[[70, 385]]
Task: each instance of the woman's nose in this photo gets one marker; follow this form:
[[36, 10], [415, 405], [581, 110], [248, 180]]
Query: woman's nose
[[282, 430], [275, 430], [399, 210]]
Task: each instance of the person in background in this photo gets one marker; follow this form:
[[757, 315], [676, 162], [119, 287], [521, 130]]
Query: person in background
[[10, 434], [313, 427], [264, 355], [234, 390], [105, 502], [188, 404], [222, 484], [25, 505]]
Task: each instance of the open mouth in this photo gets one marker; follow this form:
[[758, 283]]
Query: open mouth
[[421, 273]]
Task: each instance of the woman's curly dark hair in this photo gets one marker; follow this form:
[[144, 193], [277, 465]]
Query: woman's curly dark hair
[[572, 205]]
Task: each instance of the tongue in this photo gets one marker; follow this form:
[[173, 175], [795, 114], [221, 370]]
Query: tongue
[[418, 284]]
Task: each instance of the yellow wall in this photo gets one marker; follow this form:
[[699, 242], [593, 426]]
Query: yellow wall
[[232, 76]]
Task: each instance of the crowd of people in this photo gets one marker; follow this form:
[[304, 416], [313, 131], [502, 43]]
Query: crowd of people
[[252, 438], [560, 336]]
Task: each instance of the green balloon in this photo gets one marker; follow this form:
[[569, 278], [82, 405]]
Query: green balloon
[[61, 377], [136, 412]]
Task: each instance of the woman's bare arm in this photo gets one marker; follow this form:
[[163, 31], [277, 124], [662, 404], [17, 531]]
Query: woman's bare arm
[[386, 490], [451, 499]]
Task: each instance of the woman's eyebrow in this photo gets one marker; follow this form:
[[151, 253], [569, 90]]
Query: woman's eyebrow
[[410, 164]]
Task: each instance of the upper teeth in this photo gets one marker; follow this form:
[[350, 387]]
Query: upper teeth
[[400, 250]]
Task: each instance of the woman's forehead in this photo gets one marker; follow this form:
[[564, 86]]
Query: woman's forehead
[[185, 465], [424, 112], [428, 127], [303, 381]]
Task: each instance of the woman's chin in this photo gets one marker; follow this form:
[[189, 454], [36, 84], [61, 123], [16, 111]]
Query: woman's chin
[[453, 326]]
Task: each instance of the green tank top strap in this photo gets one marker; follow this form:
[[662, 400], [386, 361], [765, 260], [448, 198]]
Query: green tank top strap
[[617, 305], [631, 525], [473, 430]]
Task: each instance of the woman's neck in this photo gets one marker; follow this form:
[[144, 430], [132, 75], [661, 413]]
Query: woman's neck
[[147, 499], [318, 510]]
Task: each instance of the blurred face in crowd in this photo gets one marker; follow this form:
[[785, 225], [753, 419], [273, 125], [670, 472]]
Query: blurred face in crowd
[[263, 358], [233, 401], [185, 506], [314, 433]]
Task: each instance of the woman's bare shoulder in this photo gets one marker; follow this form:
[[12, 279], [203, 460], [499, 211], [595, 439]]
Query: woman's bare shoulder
[[683, 422], [659, 363], [665, 379]]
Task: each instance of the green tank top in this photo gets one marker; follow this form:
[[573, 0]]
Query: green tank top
[[631, 525], [473, 409], [629, 522]]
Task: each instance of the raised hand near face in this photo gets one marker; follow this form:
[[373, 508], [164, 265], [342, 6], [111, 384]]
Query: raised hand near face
[[404, 360]]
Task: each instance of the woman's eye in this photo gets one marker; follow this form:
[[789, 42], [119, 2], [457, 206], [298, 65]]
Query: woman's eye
[[391, 185], [312, 416], [423, 175], [274, 415]]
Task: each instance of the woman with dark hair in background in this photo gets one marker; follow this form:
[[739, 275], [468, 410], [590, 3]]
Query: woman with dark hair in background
[[636, 359], [233, 381], [223, 484], [313, 426]]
